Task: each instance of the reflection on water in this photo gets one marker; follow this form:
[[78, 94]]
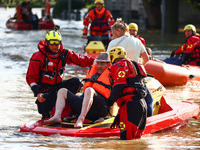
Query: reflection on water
[[18, 104]]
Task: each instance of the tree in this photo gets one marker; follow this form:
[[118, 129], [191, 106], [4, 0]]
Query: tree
[[153, 11], [194, 3], [171, 16]]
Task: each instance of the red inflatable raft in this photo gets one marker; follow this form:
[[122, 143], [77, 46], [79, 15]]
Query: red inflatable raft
[[43, 24], [172, 75], [168, 114]]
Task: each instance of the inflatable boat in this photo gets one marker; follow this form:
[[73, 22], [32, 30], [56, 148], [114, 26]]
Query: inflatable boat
[[167, 114], [166, 74], [43, 24], [172, 75]]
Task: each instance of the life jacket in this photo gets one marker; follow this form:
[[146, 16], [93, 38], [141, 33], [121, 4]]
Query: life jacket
[[141, 39], [19, 13], [192, 47], [195, 55], [135, 82], [53, 71], [47, 8], [100, 23], [102, 84]]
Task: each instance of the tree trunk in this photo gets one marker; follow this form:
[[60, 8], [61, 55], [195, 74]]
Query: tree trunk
[[172, 16], [153, 12]]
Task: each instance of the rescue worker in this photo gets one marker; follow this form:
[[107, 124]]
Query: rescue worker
[[46, 71], [135, 51], [47, 9], [133, 30], [18, 14], [90, 104], [128, 90], [191, 49], [27, 14], [100, 20]]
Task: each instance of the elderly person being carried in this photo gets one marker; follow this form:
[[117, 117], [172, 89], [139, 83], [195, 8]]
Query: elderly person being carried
[[90, 104]]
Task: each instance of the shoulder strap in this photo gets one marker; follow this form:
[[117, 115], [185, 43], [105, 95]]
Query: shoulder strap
[[64, 56], [140, 72]]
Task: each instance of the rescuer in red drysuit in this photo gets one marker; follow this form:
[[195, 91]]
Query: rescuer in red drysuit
[[128, 90], [46, 71], [191, 49], [100, 21]]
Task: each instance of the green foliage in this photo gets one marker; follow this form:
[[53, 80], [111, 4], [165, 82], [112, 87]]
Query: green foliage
[[194, 3], [38, 5], [90, 6]]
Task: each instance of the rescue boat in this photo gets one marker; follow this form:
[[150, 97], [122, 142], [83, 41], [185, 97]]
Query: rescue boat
[[167, 114], [43, 24], [172, 75], [166, 74]]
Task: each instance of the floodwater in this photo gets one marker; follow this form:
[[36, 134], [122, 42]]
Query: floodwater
[[17, 101]]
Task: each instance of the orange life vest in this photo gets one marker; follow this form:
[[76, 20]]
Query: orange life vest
[[100, 23], [19, 13], [102, 84], [47, 8]]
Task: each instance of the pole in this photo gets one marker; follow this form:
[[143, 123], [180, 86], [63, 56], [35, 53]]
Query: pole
[[163, 18], [69, 10]]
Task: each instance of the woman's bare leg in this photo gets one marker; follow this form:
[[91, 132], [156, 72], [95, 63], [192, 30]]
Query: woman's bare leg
[[60, 104], [87, 103]]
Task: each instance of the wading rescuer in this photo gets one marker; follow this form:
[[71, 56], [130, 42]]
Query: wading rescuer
[[191, 49], [91, 104], [47, 9], [135, 51], [46, 71], [128, 90], [100, 21]]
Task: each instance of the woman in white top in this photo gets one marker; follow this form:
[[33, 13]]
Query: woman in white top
[[133, 46]]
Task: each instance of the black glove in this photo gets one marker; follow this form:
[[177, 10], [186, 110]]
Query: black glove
[[35, 90], [109, 103], [115, 123], [172, 54], [45, 95]]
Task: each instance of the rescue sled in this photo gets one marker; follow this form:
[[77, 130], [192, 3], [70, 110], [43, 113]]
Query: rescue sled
[[172, 75], [94, 48], [43, 24], [167, 114]]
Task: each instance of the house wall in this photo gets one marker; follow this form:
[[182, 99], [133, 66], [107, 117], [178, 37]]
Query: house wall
[[133, 11]]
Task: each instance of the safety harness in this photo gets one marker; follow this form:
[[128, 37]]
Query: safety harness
[[137, 82], [63, 57]]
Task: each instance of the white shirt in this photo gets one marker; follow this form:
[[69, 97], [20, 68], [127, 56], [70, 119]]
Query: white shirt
[[132, 45]]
